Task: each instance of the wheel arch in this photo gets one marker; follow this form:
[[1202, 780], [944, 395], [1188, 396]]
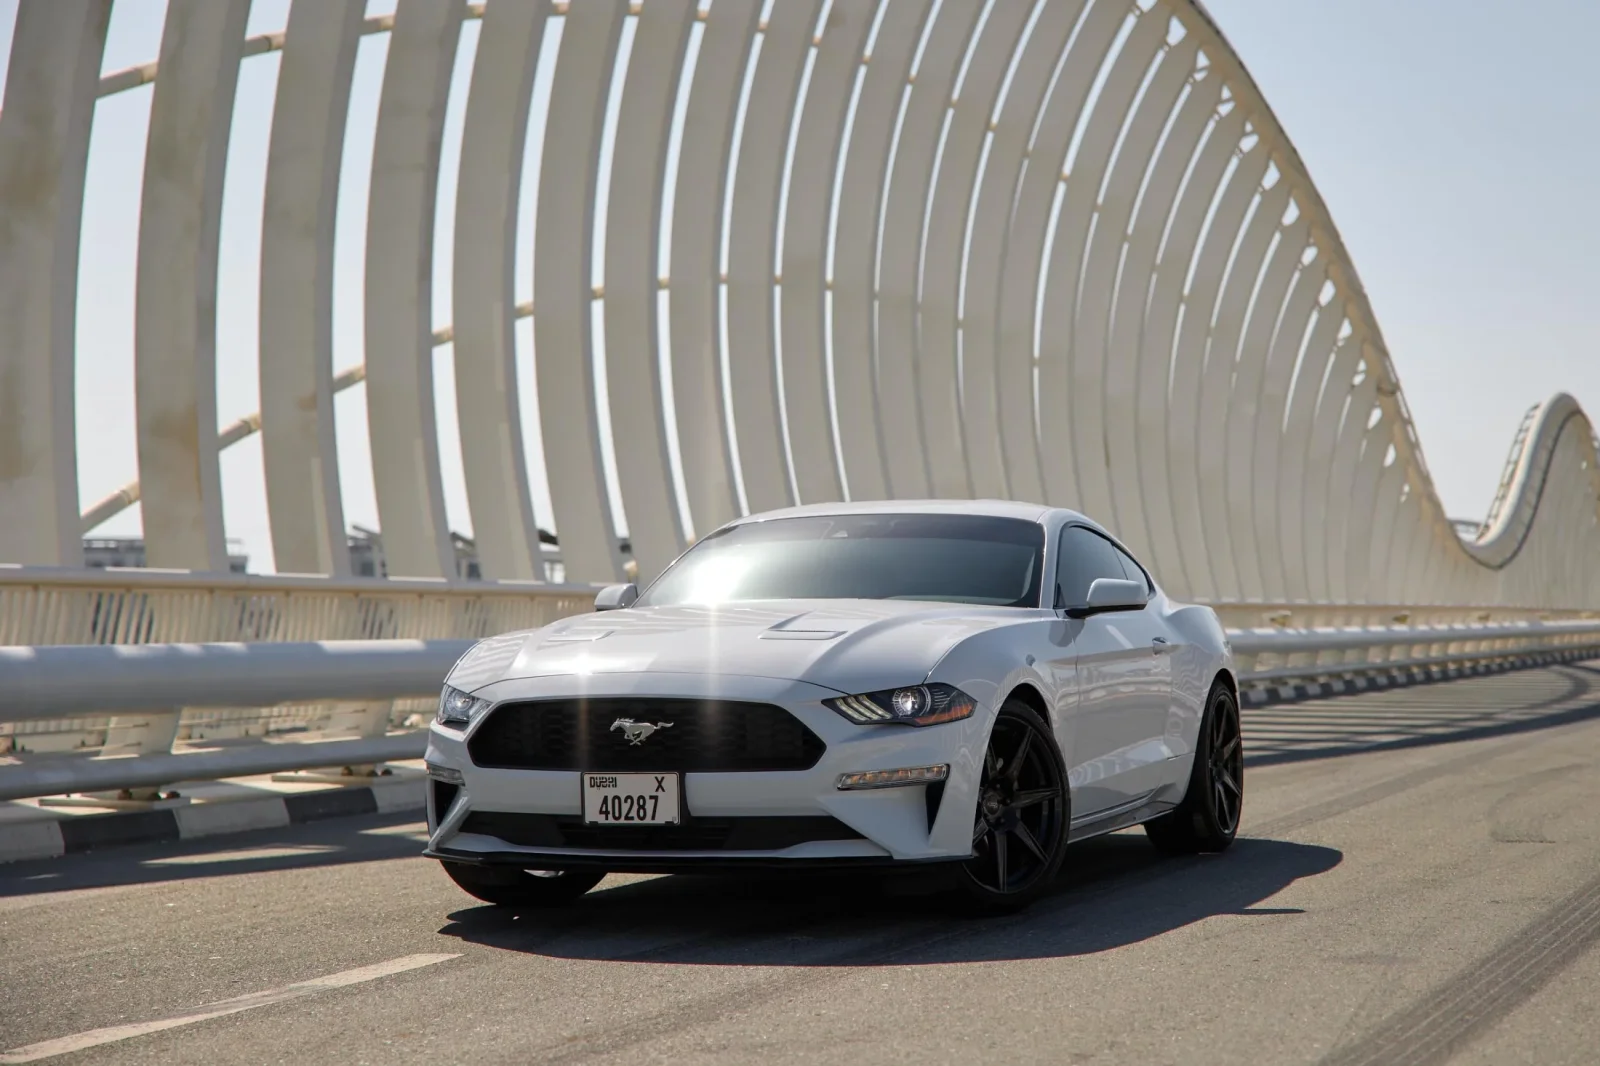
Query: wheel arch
[[1028, 693]]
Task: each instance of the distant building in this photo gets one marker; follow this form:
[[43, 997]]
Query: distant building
[[366, 555], [101, 552]]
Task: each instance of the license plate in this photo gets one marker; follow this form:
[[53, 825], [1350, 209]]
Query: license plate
[[630, 799]]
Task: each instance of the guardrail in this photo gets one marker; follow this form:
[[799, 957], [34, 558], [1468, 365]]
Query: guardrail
[[79, 680], [1278, 654], [48, 605], [90, 686], [77, 686], [51, 605]]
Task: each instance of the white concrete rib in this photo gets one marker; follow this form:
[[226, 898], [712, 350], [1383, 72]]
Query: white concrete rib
[[299, 452], [909, 454], [695, 299], [563, 258], [44, 146], [1118, 266], [804, 266], [633, 227], [1186, 198], [752, 254], [1055, 249], [493, 142], [1077, 340], [1040, 461], [996, 217], [939, 353], [856, 351], [399, 288], [175, 315]]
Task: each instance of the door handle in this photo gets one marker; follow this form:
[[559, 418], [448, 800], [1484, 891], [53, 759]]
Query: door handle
[[1158, 645]]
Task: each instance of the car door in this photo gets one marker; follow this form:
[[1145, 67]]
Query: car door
[[1155, 710], [1123, 682]]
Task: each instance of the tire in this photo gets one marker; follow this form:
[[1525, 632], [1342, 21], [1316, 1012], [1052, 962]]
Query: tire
[[1208, 818], [1022, 816], [507, 886]]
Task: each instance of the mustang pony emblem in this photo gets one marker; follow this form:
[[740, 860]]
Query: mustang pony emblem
[[637, 732]]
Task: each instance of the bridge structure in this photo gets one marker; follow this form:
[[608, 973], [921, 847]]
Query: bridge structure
[[1055, 250], [748, 253]]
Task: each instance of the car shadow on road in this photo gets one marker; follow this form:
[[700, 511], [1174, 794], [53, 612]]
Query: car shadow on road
[[1113, 892]]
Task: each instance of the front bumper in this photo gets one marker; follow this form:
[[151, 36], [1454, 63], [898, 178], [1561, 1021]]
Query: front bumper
[[890, 825], [634, 862]]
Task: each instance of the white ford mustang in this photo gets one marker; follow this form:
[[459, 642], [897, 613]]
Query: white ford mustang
[[970, 686]]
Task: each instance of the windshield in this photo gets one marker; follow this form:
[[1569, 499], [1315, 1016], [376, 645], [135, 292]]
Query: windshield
[[948, 558]]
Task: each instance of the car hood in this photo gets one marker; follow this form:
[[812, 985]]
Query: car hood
[[845, 645]]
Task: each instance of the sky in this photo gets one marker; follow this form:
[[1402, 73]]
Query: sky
[[1457, 147], [107, 456], [1453, 143]]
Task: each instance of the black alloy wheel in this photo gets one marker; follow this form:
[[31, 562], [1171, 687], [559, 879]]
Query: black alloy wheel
[[1208, 817], [507, 886], [1227, 762], [1019, 833]]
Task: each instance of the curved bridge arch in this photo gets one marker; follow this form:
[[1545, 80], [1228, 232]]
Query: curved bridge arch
[[1057, 249]]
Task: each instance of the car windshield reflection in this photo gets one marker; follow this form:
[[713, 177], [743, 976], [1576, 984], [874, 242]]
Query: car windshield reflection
[[977, 559]]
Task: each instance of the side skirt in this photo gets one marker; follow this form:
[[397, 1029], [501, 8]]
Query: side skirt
[[1127, 816]]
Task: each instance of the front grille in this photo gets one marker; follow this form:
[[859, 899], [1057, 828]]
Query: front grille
[[697, 834], [704, 736]]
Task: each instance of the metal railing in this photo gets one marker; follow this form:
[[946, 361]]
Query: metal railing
[[133, 607], [1508, 473], [207, 675], [43, 605], [1265, 655], [143, 685], [48, 605]]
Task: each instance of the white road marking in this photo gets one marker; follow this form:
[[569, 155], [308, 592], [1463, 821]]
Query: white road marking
[[417, 831], [46, 1049], [243, 855]]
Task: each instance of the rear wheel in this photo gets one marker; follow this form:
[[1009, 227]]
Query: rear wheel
[[1208, 817], [1019, 832], [507, 886]]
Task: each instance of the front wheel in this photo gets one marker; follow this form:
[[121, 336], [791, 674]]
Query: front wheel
[[1208, 817], [507, 886], [1019, 834]]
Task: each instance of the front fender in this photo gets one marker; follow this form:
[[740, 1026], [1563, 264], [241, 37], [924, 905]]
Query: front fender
[[989, 666]]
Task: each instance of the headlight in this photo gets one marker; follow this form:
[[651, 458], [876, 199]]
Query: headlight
[[913, 705], [459, 709]]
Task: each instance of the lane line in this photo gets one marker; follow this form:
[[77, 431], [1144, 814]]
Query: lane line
[[202, 858], [112, 1034]]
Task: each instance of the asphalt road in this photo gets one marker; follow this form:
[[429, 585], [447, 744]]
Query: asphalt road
[[1419, 882]]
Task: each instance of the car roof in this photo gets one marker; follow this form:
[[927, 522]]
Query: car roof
[[1031, 512]]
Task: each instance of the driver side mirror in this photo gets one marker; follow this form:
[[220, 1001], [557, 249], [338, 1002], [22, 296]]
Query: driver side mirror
[[616, 597], [1112, 594]]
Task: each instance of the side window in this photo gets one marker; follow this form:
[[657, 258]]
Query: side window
[[1134, 571], [1085, 556]]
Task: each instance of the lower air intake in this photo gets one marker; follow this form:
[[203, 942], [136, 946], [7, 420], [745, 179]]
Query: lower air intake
[[697, 834]]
